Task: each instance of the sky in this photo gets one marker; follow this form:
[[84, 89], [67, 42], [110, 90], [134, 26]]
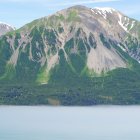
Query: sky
[[19, 12]]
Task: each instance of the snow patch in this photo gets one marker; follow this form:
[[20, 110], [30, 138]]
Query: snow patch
[[103, 11], [93, 11], [132, 25], [122, 48], [121, 23]]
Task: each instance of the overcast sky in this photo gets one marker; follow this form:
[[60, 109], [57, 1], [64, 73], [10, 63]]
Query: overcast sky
[[20, 12]]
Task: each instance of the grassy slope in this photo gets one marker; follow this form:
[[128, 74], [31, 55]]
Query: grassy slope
[[116, 88]]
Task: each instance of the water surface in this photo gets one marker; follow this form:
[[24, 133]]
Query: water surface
[[70, 123]]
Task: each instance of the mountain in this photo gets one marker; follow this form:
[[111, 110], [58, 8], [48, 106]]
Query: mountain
[[78, 56], [5, 28]]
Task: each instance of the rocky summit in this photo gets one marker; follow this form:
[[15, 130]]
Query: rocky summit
[[4, 28], [77, 56]]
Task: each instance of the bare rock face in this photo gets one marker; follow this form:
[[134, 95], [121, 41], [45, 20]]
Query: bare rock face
[[4, 28], [84, 40]]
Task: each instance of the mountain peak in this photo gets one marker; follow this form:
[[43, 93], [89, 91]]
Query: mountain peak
[[79, 7], [4, 28], [8, 25], [66, 51], [103, 9], [78, 30], [97, 8]]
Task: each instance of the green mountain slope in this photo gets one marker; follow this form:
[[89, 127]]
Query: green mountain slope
[[78, 56]]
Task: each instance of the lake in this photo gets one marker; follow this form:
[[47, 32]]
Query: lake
[[70, 123]]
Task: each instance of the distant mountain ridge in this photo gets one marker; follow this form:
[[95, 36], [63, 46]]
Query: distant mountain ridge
[[75, 48], [5, 28]]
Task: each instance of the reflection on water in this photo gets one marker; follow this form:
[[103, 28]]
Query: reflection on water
[[70, 123]]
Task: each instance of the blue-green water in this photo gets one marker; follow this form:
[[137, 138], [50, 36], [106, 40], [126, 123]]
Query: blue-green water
[[70, 123]]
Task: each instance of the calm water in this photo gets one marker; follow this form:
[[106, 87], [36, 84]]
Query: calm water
[[70, 123]]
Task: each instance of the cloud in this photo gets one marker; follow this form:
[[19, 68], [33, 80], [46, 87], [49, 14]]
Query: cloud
[[66, 3], [61, 2], [84, 2], [22, 1]]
